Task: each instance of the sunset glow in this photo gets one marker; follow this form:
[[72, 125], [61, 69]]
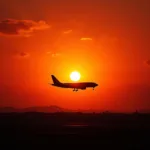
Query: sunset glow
[[106, 42]]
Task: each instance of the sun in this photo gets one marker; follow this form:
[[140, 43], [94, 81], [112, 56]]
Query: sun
[[75, 76]]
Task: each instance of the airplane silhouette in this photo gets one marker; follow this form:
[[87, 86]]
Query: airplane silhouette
[[74, 86]]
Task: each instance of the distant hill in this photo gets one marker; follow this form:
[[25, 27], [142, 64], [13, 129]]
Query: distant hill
[[54, 108], [8, 109], [47, 109]]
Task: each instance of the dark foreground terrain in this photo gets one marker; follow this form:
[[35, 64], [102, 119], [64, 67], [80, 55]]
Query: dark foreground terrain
[[73, 130]]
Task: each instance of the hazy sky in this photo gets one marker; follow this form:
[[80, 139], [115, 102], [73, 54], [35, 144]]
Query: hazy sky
[[107, 41]]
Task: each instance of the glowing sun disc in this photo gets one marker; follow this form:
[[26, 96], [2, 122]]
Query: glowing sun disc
[[75, 76]]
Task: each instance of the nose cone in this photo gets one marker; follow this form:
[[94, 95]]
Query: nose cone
[[96, 84]]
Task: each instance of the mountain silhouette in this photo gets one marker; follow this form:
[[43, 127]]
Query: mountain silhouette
[[54, 109], [8, 109], [46, 109]]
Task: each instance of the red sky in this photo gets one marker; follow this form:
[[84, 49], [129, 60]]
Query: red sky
[[106, 41]]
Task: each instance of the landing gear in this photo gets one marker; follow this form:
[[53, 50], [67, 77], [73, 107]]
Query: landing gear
[[75, 89], [93, 88]]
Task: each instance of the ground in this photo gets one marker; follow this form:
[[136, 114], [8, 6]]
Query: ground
[[70, 130]]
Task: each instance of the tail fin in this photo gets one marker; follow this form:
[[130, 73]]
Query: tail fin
[[55, 80]]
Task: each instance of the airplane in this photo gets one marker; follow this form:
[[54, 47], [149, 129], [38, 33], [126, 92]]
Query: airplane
[[74, 86]]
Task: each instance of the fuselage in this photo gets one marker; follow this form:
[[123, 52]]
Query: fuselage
[[79, 85]]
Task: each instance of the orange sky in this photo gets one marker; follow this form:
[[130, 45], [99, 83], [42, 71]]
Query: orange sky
[[106, 41]]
